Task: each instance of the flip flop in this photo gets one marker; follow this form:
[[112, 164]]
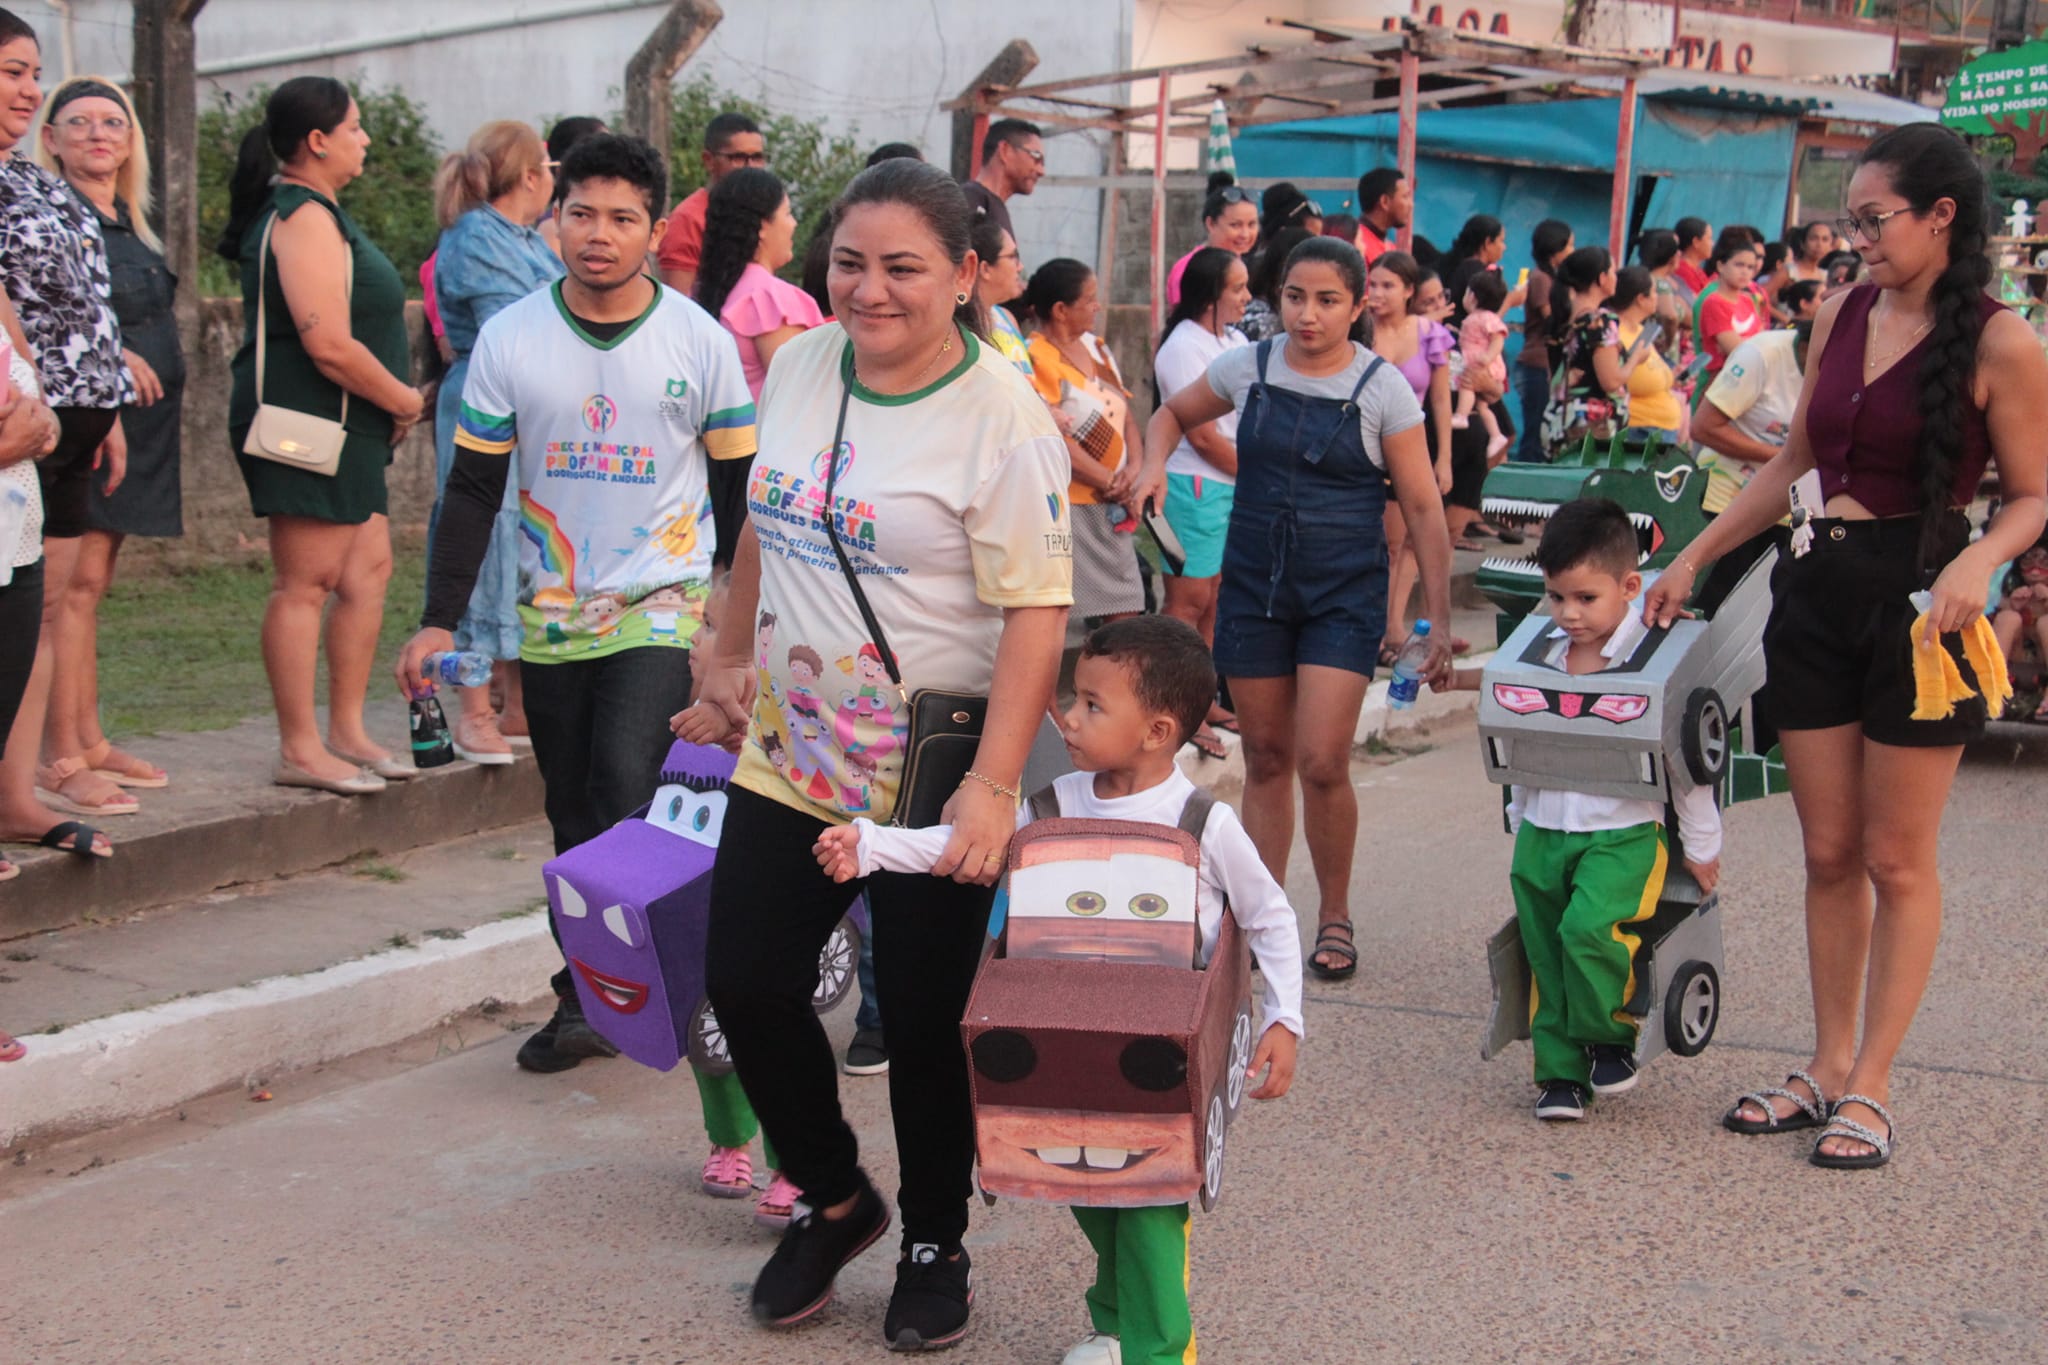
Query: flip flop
[[84, 840], [1345, 948], [8, 871], [13, 1049], [1226, 722], [1389, 655], [125, 769], [1205, 740]]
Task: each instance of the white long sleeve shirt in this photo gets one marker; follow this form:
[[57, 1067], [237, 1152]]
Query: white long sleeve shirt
[[1230, 868], [1574, 812]]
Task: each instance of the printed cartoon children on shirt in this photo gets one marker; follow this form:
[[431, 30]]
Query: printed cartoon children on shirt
[[555, 605], [868, 717], [600, 614], [665, 608]]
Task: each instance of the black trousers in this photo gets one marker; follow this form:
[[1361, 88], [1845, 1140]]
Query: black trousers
[[21, 627], [771, 910], [600, 733]]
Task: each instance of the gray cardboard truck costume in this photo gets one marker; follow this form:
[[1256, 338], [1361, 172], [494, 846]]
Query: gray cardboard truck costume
[[1647, 729]]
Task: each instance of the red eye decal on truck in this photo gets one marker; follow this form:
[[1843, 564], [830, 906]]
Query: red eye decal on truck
[[1618, 708], [1523, 701], [1621, 707]]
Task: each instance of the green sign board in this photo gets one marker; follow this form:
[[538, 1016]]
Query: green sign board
[[2001, 92]]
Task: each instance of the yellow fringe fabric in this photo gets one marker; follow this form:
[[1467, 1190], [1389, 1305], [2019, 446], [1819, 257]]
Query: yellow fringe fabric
[[1938, 684]]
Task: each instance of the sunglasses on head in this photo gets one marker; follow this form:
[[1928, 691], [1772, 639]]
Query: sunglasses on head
[[1231, 194]]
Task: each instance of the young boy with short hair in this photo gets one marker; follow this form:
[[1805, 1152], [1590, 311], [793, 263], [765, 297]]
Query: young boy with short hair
[[1587, 867], [1141, 687]]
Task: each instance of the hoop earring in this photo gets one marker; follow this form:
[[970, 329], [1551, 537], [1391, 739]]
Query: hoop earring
[[960, 300]]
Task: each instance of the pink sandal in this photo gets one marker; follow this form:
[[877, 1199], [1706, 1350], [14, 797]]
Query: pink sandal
[[12, 1049], [125, 769], [778, 1203], [728, 1173], [57, 786]]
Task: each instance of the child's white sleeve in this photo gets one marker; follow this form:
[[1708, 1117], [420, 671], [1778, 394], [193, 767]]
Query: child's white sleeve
[[1699, 824], [1260, 905], [886, 848], [1518, 797]]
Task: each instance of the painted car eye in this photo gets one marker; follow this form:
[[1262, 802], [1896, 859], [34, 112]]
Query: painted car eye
[[1620, 707], [670, 809], [1146, 905], [1004, 1055], [621, 924], [1087, 902], [675, 810], [571, 898], [702, 818], [1154, 1064], [1523, 701]]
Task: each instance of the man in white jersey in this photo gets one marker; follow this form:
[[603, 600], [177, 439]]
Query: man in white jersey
[[611, 392]]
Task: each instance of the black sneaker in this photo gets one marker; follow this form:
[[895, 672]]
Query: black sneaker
[[797, 1281], [865, 1055], [574, 1037], [1561, 1102], [1614, 1068], [538, 1053], [928, 1310]]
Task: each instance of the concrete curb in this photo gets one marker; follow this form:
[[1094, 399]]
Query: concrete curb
[[127, 1066]]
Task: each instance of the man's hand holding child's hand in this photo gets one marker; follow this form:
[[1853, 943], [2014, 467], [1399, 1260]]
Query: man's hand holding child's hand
[[1276, 1046], [838, 850], [1707, 874]]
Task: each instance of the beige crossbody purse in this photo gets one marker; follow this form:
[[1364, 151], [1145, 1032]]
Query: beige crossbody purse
[[286, 435]]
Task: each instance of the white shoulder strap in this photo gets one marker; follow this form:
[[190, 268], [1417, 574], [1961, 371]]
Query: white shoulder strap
[[262, 310]]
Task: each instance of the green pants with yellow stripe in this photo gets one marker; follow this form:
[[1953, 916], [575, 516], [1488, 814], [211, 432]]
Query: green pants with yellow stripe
[[728, 1119], [1575, 897], [1140, 1294]]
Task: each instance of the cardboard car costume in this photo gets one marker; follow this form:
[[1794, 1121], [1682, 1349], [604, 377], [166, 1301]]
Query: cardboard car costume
[[1106, 1061], [632, 908]]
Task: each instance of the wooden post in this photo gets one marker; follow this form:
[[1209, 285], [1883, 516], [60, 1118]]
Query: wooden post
[[166, 95], [1156, 276], [1105, 240], [1624, 172], [1009, 67], [650, 75], [1411, 74]]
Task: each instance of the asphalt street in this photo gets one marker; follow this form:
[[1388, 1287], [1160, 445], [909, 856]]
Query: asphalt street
[[1401, 1204]]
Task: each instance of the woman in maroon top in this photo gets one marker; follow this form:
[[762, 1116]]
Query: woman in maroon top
[[1917, 381]]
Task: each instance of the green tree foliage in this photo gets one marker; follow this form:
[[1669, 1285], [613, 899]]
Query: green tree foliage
[[814, 165], [393, 201]]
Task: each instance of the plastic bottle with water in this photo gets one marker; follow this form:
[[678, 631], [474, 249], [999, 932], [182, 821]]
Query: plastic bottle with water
[[1407, 679], [456, 669]]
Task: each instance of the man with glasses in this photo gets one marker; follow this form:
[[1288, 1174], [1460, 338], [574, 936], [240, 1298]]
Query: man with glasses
[[732, 142], [1012, 160]]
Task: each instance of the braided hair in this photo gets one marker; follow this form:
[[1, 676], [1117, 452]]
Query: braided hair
[[739, 206], [1928, 163]]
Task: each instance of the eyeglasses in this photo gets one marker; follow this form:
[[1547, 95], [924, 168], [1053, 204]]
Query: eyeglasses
[[1870, 227], [80, 123], [743, 158], [1037, 157]]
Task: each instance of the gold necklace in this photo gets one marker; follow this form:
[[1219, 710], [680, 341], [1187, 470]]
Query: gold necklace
[[1873, 364], [915, 383]]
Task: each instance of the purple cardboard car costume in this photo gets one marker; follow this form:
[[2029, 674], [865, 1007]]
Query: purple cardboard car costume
[[632, 907]]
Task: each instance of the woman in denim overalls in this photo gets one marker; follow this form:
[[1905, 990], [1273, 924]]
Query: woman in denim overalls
[[1325, 424]]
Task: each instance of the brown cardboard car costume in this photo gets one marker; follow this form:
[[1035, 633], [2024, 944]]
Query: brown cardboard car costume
[[1106, 1061]]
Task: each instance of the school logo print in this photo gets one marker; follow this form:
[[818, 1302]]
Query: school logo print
[[1053, 504], [821, 464], [600, 413], [671, 404]]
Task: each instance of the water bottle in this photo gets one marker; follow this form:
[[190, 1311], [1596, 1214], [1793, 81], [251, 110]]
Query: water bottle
[[462, 669], [1407, 679], [431, 745]]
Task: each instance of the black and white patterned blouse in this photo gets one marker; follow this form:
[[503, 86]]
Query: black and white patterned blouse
[[54, 262]]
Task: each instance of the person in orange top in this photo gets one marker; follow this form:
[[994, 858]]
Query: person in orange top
[[1386, 209], [732, 142], [1073, 372]]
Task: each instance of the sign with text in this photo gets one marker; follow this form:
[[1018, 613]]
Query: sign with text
[[2003, 92]]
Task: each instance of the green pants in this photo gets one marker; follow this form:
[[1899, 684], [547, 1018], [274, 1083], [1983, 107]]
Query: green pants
[[728, 1118], [1140, 1294], [1575, 897]]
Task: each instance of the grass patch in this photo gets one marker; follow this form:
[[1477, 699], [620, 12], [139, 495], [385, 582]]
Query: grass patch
[[372, 870], [507, 855], [532, 907], [179, 648]]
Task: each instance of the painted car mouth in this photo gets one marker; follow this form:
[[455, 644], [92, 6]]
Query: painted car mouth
[[1088, 1160], [625, 996]]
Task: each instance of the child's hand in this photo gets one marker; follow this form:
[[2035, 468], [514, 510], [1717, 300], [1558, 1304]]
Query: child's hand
[[1456, 680], [838, 850], [1277, 1046], [1707, 874], [702, 724]]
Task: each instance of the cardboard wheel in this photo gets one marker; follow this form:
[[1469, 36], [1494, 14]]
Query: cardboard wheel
[[1240, 1056], [708, 1052], [838, 964], [1705, 736], [1212, 1155], [1691, 1008]]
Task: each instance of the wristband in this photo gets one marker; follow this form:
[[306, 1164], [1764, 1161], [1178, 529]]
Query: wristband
[[998, 788]]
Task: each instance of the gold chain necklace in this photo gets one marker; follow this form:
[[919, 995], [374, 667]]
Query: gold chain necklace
[[1897, 351], [944, 350]]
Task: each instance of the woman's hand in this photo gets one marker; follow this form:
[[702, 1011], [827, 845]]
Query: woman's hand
[[1666, 599], [728, 690], [1148, 488], [412, 682], [148, 388], [983, 820], [406, 416], [112, 456], [1443, 477], [1958, 594]]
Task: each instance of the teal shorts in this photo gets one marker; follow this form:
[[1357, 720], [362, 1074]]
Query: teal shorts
[[1198, 510]]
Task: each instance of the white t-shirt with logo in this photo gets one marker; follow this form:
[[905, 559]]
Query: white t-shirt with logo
[[951, 504], [1181, 361], [1757, 390], [611, 437]]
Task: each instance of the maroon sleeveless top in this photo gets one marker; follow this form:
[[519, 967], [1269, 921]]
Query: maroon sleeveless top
[[1865, 437]]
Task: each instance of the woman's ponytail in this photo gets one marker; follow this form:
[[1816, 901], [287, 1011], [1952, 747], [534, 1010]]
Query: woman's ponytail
[[248, 190]]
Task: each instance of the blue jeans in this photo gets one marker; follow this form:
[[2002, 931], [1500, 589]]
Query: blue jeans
[[1535, 399], [868, 1018], [600, 733]]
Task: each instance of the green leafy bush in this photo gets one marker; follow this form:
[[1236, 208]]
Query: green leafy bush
[[393, 201]]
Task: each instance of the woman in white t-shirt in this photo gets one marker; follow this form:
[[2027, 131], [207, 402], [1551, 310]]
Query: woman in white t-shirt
[[1742, 423], [1201, 473], [947, 484]]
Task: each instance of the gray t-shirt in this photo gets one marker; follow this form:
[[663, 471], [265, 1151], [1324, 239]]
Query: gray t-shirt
[[1386, 407]]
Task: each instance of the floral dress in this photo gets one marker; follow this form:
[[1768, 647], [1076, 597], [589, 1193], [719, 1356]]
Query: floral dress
[[1579, 407], [55, 262]]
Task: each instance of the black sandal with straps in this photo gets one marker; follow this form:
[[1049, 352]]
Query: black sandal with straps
[[1345, 947]]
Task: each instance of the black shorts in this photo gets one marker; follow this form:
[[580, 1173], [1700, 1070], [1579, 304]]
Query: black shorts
[[1838, 649], [66, 472]]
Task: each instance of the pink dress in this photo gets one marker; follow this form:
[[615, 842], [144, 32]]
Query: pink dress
[[759, 304], [1476, 338]]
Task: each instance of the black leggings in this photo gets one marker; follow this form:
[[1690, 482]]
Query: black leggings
[[771, 911], [21, 626]]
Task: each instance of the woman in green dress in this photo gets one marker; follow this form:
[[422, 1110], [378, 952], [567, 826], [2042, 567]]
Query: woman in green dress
[[334, 317]]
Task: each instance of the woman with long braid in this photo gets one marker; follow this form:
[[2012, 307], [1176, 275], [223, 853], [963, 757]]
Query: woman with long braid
[[1917, 381]]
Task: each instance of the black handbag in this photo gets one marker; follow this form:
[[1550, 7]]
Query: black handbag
[[945, 727]]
